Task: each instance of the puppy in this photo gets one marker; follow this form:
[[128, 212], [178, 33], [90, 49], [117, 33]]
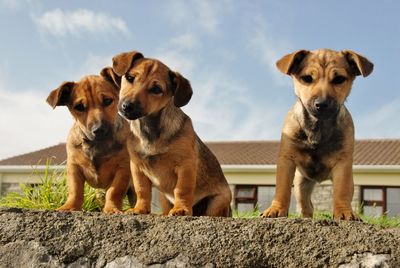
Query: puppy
[[96, 144], [163, 147], [317, 140]]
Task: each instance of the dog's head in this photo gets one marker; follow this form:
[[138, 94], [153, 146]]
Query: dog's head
[[92, 102], [148, 85], [323, 78]]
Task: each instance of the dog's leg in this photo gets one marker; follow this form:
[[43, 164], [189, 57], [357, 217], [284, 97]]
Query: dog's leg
[[284, 180], [166, 206], [75, 184], [303, 188], [343, 189], [116, 192], [184, 191], [219, 205], [142, 186]]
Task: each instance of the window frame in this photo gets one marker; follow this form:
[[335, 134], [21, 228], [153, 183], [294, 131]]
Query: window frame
[[382, 203], [246, 200]]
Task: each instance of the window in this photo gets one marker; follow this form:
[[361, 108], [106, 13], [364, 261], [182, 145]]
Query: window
[[376, 200], [245, 197]]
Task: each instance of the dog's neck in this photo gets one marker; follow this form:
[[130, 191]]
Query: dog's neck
[[315, 130], [162, 126]]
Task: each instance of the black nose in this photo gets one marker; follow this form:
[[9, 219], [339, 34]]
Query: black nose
[[127, 107], [99, 130], [130, 110], [321, 104]]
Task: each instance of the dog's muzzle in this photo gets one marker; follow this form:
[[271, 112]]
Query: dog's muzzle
[[100, 131], [323, 107], [130, 110]]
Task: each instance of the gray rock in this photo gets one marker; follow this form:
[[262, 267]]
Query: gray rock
[[58, 239]]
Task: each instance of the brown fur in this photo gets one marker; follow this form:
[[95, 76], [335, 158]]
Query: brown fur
[[318, 144], [163, 147], [96, 144]]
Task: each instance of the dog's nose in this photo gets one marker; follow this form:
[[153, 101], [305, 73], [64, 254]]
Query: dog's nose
[[130, 110], [99, 130], [127, 107], [321, 104]]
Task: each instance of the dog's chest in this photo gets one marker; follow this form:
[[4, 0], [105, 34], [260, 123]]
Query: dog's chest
[[313, 167]]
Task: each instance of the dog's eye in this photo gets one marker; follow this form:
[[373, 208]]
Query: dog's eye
[[129, 78], [156, 90], [338, 80], [306, 79], [79, 107], [107, 102]]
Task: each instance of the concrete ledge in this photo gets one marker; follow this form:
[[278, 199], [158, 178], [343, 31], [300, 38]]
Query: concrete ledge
[[53, 239]]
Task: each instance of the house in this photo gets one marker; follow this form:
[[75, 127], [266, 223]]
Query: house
[[250, 168]]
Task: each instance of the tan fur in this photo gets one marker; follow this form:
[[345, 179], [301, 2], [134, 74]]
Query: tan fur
[[315, 147], [102, 162], [164, 149]]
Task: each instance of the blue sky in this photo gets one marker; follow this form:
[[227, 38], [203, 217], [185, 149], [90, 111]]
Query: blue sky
[[227, 49]]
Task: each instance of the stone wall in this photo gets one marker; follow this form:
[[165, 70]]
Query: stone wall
[[60, 239], [322, 198]]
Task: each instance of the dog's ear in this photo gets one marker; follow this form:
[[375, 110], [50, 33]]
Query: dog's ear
[[181, 89], [290, 63], [360, 65], [109, 74], [124, 61], [61, 95]]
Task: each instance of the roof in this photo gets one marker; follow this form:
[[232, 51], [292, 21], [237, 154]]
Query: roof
[[367, 152]]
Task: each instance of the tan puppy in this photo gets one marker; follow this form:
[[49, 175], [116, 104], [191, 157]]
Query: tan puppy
[[164, 149], [96, 145], [318, 135]]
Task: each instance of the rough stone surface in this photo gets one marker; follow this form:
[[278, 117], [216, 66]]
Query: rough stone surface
[[53, 239]]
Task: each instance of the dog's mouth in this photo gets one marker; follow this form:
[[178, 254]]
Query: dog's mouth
[[130, 116], [323, 108], [99, 133]]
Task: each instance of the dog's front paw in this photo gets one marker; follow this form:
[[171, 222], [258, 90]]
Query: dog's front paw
[[180, 211], [346, 214], [274, 212], [69, 207], [138, 211], [111, 210]]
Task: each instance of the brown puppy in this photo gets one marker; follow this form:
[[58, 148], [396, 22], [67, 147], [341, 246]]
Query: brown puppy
[[163, 147], [96, 145], [318, 135]]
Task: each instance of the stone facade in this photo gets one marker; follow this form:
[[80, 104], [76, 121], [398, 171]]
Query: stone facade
[[322, 198]]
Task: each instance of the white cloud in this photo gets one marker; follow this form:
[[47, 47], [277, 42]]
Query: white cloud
[[10, 4], [28, 123], [93, 64], [268, 49], [178, 54], [202, 15], [379, 122], [61, 23], [222, 109]]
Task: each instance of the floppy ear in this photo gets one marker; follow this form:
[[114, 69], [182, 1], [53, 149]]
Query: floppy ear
[[360, 65], [60, 96], [124, 61], [181, 89], [109, 74], [290, 63]]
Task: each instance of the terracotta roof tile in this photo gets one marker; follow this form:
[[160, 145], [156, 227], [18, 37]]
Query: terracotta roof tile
[[367, 152]]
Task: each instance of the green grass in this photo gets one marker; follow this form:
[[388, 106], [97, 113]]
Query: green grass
[[50, 193], [384, 220]]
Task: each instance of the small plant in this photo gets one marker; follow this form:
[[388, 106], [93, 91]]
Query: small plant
[[49, 194], [255, 213]]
